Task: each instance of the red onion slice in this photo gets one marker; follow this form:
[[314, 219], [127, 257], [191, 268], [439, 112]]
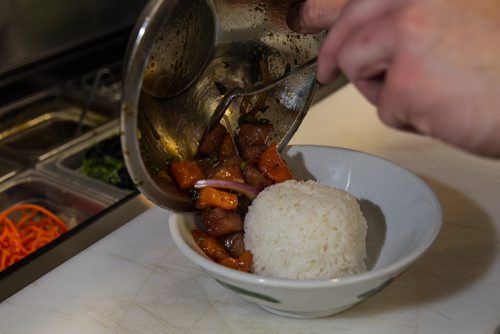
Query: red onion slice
[[243, 188]]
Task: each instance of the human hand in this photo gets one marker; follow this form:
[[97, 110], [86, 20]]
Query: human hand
[[431, 66], [314, 16]]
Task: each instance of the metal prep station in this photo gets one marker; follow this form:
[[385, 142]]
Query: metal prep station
[[60, 84]]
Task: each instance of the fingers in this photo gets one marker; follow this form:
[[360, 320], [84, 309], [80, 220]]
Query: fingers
[[313, 16], [384, 74], [366, 57], [396, 102], [356, 15]]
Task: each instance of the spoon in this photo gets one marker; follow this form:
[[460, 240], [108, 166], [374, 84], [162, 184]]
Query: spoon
[[233, 93]]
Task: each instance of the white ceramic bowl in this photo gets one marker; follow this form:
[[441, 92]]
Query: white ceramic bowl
[[404, 218]]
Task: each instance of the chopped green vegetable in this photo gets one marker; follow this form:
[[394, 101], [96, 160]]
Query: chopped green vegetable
[[243, 165], [104, 161], [213, 160]]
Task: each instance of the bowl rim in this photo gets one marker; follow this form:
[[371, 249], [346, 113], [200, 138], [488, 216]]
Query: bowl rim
[[390, 270]]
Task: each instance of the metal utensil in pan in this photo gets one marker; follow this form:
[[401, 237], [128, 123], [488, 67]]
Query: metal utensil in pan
[[236, 92], [251, 45]]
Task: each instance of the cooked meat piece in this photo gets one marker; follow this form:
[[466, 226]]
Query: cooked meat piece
[[227, 148], [251, 153], [211, 246], [253, 134], [228, 169], [211, 142], [256, 178], [234, 244], [219, 222]]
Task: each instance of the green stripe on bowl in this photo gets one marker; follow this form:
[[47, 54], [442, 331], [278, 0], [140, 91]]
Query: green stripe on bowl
[[249, 293], [376, 290]]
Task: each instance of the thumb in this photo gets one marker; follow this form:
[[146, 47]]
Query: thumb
[[313, 16]]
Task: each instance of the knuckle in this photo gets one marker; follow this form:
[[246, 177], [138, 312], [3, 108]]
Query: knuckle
[[311, 13]]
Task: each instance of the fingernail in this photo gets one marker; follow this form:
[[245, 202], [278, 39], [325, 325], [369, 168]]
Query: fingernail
[[293, 18]]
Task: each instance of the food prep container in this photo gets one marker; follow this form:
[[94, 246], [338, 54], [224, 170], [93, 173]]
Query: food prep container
[[8, 168], [67, 164], [70, 204], [108, 84], [102, 86], [42, 125]]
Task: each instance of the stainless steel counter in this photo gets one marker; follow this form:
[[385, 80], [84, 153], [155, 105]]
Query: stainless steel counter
[[41, 109]]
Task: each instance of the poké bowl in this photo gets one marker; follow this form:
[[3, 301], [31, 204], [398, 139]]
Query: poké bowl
[[403, 215]]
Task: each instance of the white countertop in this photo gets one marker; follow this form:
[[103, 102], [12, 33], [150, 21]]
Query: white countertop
[[135, 281]]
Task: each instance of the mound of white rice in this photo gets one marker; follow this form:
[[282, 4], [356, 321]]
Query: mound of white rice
[[306, 230]]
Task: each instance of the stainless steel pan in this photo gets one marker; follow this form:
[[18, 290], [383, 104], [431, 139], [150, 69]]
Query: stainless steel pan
[[199, 45]]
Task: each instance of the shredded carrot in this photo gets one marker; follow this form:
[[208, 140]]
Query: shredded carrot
[[24, 228]]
